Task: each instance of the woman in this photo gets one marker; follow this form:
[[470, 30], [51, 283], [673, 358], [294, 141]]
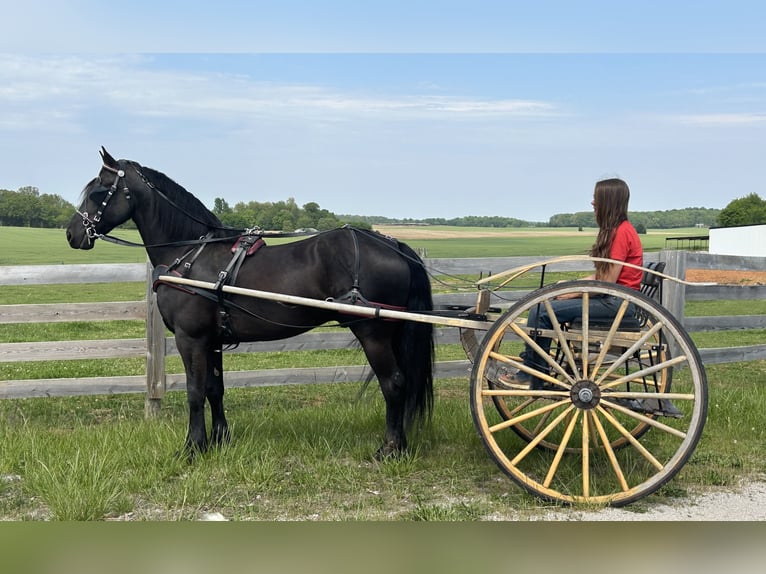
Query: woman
[[617, 239]]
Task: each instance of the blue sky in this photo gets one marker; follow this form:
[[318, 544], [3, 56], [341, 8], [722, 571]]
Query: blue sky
[[403, 109]]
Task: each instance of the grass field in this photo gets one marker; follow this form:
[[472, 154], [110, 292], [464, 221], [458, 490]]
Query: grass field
[[304, 453], [299, 452], [29, 246]]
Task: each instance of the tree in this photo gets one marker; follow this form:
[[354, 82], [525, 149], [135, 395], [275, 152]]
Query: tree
[[13, 209], [20, 208], [326, 223], [221, 207], [747, 210], [27, 208], [283, 220], [55, 211]]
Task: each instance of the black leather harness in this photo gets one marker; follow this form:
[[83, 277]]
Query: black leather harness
[[245, 246]]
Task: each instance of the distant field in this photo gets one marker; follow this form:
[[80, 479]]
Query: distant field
[[28, 246], [451, 241], [406, 232], [453, 232]]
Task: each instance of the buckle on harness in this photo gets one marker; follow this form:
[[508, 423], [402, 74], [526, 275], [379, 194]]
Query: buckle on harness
[[221, 280]]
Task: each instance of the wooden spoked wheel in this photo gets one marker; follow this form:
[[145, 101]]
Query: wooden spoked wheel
[[583, 437], [654, 352]]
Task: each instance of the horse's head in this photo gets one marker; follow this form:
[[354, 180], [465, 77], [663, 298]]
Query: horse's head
[[105, 204]]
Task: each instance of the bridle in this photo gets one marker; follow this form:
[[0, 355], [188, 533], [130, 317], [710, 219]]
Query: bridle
[[90, 224], [92, 234]]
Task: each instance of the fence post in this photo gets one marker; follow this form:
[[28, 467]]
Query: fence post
[[155, 352], [674, 294]]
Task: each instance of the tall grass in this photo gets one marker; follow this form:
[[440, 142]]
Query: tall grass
[[297, 454], [79, 473], [305, 453]]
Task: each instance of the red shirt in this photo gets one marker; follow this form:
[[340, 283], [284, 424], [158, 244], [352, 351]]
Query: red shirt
[[626, 246]]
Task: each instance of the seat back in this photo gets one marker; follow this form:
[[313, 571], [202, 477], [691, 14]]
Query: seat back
[[651, 283]]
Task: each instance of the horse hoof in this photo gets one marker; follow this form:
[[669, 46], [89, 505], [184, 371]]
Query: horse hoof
[[185, 455], [388, 451], [189, 452]]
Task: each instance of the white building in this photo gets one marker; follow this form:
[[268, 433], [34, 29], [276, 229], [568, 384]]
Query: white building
[[744, 240]]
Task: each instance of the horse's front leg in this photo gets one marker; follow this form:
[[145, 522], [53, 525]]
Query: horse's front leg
[[195, 359], [219, 434]]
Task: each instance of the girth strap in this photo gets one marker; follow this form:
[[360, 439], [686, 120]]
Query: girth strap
[[245, 246], [354, 295]]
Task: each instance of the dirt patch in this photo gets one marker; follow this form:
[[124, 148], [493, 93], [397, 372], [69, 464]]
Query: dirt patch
[[744, 503], [726, 277]]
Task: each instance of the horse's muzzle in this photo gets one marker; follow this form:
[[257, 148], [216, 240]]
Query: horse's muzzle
[[79, 240]]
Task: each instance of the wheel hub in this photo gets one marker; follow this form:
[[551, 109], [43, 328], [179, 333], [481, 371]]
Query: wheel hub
[[585, 394]]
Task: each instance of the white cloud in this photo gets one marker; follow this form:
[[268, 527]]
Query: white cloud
[[72, 85], [723, 119]]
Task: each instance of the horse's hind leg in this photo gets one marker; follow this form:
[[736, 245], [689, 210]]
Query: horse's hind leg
[[214, 390], [380, 354]]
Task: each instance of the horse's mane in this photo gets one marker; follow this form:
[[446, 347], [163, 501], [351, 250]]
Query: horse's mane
[[175, 218]]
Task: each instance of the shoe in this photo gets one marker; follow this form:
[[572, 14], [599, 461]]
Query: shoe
[[660, 407], [632, 404], [517, 380], [523, 380], [668, 409]]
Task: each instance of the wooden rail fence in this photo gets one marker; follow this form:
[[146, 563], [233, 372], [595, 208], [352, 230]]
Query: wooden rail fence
[[155, 347]]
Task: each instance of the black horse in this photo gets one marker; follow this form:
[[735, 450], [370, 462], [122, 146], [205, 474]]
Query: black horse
[[183, 237]]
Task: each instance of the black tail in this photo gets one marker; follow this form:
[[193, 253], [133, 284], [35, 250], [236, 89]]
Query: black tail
[[415, 349]]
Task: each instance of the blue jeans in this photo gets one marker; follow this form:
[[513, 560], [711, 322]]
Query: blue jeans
[[566, 310]]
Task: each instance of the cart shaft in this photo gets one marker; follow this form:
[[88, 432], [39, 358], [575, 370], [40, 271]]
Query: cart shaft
[[363, 311]]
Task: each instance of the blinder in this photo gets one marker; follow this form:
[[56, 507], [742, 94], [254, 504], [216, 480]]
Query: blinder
[[108, 192]]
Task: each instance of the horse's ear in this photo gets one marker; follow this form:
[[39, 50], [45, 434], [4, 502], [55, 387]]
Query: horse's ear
[[107, 159]]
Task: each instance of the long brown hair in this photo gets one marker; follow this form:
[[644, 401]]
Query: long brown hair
[[610, 199]]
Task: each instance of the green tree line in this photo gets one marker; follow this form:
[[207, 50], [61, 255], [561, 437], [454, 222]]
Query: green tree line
[[27, 207], [668, 219], [280, 215], [467, 221]]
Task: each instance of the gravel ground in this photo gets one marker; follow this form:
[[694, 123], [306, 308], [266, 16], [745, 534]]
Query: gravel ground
[[746, 503]]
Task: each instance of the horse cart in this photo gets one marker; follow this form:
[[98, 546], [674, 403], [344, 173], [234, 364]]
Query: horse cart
[[623, 402], [620, 404]]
